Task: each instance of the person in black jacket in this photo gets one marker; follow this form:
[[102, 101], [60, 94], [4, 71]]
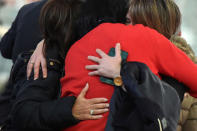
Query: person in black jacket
[[53, 113], [33, 96]]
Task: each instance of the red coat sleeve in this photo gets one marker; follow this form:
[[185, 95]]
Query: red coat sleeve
[[173, 62]]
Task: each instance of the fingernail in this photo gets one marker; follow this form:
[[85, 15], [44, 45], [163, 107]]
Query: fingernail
[[107, 105], [100, 116], [87, 84], [118, 44], [45, 76], [35, 78], [105, 99], [106, 109]]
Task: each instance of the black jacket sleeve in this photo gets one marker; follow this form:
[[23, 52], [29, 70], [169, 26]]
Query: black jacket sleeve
[[38, 107]]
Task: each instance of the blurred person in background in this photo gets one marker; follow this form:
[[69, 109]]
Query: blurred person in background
[[188, 114]]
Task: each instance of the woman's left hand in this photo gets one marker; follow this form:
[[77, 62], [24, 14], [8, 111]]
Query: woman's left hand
[[89, 109], [36, 60], [107, 66]]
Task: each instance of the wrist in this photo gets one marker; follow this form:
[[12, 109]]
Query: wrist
[[117, 78], [116, 73], [40, 44], [75, 116], [118, 81]]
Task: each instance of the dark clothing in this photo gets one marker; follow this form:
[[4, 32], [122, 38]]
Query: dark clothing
[[36, 105], [147, 103], [32, 105], [5, 103], [24, 33], [179, 87]]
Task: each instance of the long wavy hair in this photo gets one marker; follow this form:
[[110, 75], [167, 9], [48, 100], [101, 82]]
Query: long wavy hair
[[161, 15], [56, 21]]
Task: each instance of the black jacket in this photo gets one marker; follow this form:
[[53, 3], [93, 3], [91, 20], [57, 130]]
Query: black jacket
[[36, 105], [148, 104], [24, 33], [31, 105]]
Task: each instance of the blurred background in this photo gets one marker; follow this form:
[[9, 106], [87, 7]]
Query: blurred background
[[9, 10]]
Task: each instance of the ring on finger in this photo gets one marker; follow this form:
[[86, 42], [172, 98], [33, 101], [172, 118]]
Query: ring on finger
[[91, 112]]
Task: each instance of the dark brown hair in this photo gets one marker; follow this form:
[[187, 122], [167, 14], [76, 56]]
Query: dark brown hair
[[56, 22], [161, 15]]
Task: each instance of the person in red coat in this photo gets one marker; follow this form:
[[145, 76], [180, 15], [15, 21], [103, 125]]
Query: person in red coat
[[142, 44]]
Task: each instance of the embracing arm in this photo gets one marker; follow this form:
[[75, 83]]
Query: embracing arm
[[173, 62], [167, 58], [37, 106]]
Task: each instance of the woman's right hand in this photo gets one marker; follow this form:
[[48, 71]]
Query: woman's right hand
[[107, 66], [89, 109], [37, 59]]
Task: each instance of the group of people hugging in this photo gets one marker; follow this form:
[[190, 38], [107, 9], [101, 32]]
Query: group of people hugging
[[98, 65]]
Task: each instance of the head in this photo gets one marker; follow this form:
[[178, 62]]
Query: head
[[161, 15], [95, 12], [65, 21], [56, 20], [181, 43]]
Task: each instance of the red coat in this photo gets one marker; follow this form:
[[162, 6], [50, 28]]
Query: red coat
[[143, 45]]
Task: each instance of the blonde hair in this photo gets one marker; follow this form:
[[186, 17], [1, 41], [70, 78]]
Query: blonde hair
[[181, 43]]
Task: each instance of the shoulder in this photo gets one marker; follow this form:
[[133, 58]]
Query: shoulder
[[152, 35], [33, 5], [110, 26], [105, 29], [143, 30], [28, 7]]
